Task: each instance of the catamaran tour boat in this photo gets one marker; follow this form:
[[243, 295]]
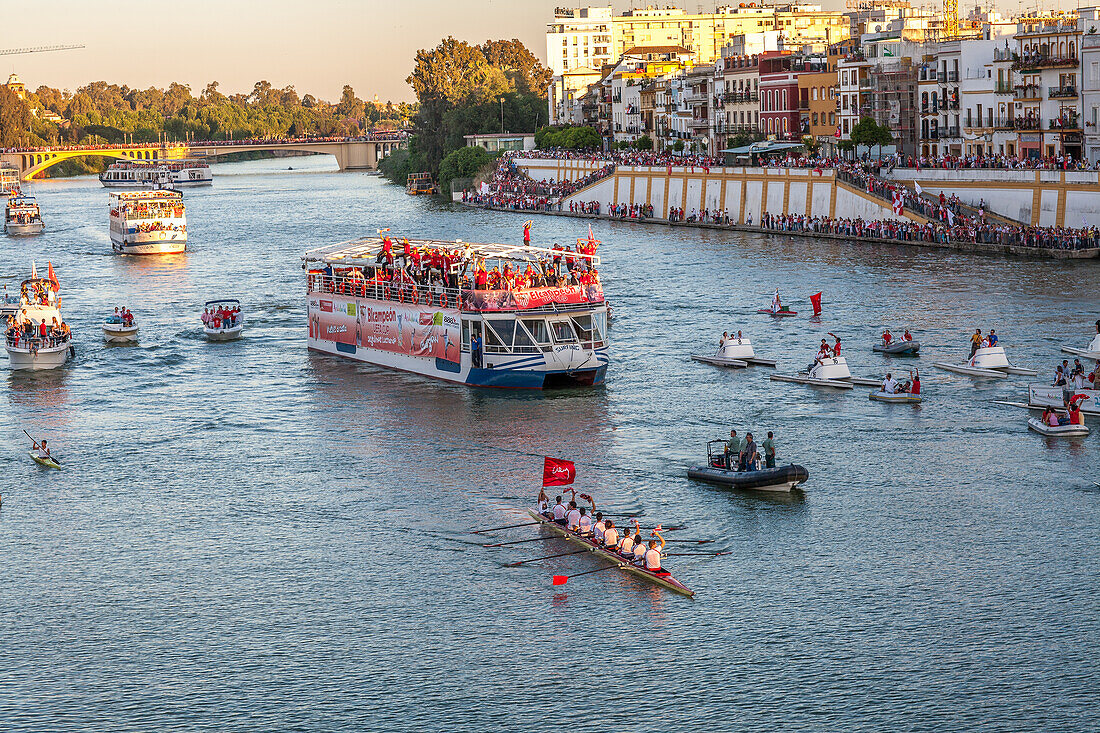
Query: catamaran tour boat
[[530, 338], [989, 361], [718, 471], [157, 174], [830, 371], [733, 351], [21, 216], [148, 222], [9, 179], [1093, 349], [39, 303], [225, 322]]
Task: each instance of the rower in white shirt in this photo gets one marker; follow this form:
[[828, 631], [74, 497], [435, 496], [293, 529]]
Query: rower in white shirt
[[584, 525], [626, 546], [598, 528], [639, 552], [573, 516], [889, 386], [653, 554], [560, 511], [544, 503], [610, 536]]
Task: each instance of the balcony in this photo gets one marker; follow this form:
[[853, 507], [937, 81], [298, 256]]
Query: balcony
[[1003, 54], [699, 122], [933, 109], [941, 76], [1066, 122], [1034, 61], [1028, 92], [1004, 87], [950, 132], [952, 76], [933, 135], [951, 104], [1062, 92], [804, 104]]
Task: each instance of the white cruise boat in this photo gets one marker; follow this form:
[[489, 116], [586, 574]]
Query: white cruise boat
[[165, 173], [27, 348], [21, 216], [9, 180], [148, 222], [458, 328]]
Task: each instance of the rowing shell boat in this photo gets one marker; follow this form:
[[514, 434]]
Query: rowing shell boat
[[43, 460], [663, 580]]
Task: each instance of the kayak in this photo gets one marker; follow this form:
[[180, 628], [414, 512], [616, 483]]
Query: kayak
[[44, 460]]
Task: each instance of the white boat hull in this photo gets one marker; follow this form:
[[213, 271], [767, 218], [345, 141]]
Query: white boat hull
[[19, 230], [48, 358], [900, 397], [150, 243], [1064, 431], [116, 334], [971, 371], [1086, 353], [834, 383], [719, 361], [223, 334]]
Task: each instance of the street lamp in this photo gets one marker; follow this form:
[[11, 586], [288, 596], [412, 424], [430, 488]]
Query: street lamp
[[502, 115]]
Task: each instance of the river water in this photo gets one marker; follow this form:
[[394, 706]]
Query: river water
[[248, 537]]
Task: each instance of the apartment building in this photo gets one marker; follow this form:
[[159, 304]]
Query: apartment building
[[580, 38], [779, 114], [816, 97]]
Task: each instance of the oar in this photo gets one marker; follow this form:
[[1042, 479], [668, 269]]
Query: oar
[[548, 557], [708, 554], [696, 542], [52, 457], [516, 542], [561, 579], [507, 526]]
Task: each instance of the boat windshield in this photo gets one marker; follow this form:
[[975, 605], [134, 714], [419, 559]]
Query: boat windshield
[[563, 332]]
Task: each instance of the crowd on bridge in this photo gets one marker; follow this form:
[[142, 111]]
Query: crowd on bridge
[[377, 136]]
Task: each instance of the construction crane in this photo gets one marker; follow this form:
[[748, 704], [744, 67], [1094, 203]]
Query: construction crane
[[950, 19], [37, 49]]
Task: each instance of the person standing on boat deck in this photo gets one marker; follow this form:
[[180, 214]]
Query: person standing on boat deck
[[769, 450], [748, 454], [475, 350], [733, 448], [1059, 377], [836, 346], [914, 383], [559, 512], [992, 337], [975, 342], [722, 341]]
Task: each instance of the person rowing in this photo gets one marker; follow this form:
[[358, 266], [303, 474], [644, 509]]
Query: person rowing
[[559, 512], [610, 537], [652, 557], [42, 451], [573, 517], [598, 528], [584, 523], [543, 503], [626, 546]]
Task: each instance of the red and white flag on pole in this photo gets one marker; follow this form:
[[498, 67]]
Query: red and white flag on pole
[[899, 203], [556, 472], [55, 285]]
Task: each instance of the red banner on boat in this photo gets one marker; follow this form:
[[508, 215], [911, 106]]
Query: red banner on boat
[[401, 328], [556, 472], [490, 300], [815, 300]]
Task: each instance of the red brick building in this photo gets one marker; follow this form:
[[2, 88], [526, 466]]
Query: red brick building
[[779, 116]]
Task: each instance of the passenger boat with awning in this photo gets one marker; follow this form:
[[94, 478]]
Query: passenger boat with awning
[[148, 222], [22, 216], [367, 301]]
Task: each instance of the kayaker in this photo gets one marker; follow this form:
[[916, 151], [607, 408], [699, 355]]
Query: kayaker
[[769, 450], [42, 451]]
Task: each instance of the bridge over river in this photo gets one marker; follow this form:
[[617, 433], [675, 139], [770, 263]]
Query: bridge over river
[[358, 153]]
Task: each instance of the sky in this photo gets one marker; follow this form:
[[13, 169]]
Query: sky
[[315, 45]]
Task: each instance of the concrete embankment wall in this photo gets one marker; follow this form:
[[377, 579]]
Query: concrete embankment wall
[[741, 191], [1039, 198]]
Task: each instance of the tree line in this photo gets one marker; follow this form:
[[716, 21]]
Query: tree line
[[110, 113]]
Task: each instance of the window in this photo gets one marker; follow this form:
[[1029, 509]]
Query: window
[[499, 333], [563, 333], [813, 118], [813, 93], [832, 118]]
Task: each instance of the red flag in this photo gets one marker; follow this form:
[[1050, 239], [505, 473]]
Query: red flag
[[819, 172], [556, 472], [52, 277], [816, 301]]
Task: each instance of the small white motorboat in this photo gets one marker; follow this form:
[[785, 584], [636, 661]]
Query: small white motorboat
[[114, 332], [828, 372], [226, 322], [1093, 349], [734, 352], [1063, 431], [897, 348], [991, 362]]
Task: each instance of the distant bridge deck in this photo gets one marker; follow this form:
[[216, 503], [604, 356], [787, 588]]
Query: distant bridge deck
[[362, 153]]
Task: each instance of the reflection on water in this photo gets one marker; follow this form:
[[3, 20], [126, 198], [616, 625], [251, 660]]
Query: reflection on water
[[241, 517]]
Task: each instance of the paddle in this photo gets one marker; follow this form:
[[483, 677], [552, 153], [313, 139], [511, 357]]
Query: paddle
[[516, 542], [696, 542], [708, 554], [36, 443], [548, 557], [561, 579], [507, 526]]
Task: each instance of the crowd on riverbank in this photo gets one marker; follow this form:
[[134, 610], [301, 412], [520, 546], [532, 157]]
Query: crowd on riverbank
[[511, 188]]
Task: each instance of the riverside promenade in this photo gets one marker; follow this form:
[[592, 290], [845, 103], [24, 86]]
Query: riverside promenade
[[961, 246]]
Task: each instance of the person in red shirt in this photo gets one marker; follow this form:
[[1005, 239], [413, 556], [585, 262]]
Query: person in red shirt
[[836, 346]]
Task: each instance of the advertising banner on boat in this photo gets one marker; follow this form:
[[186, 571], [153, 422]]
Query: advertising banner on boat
[[489, 300], [401, 328]]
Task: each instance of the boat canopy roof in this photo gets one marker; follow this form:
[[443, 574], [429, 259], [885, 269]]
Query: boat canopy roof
[[219, 301], [164, 194], [364, 251], [22, 200]]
